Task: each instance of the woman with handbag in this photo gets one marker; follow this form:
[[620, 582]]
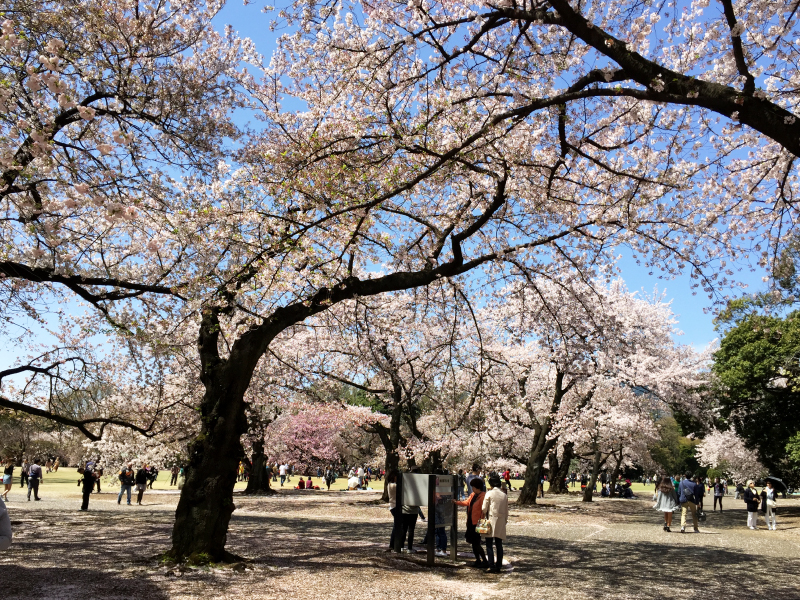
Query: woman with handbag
[[751, 498], [495, 508], [769, 504], [474, 506]]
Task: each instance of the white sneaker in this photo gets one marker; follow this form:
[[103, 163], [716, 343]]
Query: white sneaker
[[752, 528], [406, 551], [441, 553]]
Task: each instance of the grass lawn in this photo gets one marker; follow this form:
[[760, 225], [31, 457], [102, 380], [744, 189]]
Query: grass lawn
[[65, 481]]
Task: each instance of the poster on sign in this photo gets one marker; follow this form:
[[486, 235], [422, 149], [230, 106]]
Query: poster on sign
[[444, 499]]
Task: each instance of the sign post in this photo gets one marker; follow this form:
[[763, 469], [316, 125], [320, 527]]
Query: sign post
[[454, 524], [431, 519], [437, 493]]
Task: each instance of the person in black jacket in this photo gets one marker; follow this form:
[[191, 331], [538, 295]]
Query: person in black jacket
[[88, 480], [142, 475], [752, 499]]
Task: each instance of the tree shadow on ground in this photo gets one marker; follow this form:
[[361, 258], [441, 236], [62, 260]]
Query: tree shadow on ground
[[47, 583], [628, 568]]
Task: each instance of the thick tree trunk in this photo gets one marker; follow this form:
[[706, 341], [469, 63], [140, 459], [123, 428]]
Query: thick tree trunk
[[589, 491], [391, 439], [206, 502], [259, 483], [433, 463], [615, 474], [559, 473], [533, 473]]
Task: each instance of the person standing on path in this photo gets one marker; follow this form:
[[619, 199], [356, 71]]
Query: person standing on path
[[719, 492], [688, 501], [5, 527], [699, 494], [394, 510], [34, 476], [769, 504], [495, 508], [409, 516], [126, 479], [666, 501], [141, 483], [23, 476], [474, 504], [98, 473], [475, 473], [751, 499], [8, 478], [89, 477]]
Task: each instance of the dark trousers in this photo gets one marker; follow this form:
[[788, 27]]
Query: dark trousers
[[409, 524], [23, 479], [97, 482], [33, 484], [86, 494], [718, 498], [498, 543], [396, 525], [477, 549], [174, 479], [441, 539]]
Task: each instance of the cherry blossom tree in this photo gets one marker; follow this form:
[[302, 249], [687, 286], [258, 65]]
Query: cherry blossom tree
[[726, 451], [568, 356], [406, 354]]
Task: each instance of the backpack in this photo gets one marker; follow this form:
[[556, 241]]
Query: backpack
[[685, 496]]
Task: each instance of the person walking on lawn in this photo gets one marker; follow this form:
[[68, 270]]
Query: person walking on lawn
[[126, 479], [688, 499], [23, 476], [34, 476]]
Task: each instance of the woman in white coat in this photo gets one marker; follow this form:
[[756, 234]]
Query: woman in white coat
[[495, 508]]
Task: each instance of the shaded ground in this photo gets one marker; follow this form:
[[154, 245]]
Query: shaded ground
[[334, 544]]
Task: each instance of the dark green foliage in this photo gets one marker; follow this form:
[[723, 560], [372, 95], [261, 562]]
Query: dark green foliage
[[757, 379], [673, 452]]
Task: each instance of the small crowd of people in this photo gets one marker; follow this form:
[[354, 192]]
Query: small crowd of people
[[687, 494], [486, 515], [31, 475]]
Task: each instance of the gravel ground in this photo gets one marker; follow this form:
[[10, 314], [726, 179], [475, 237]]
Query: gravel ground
[[308, 545]]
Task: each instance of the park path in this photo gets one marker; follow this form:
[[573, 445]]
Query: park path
[[307, 545]]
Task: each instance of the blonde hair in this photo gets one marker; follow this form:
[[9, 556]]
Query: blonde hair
[[750, 482]]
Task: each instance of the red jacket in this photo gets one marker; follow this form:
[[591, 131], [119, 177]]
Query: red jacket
[[477, 507]]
